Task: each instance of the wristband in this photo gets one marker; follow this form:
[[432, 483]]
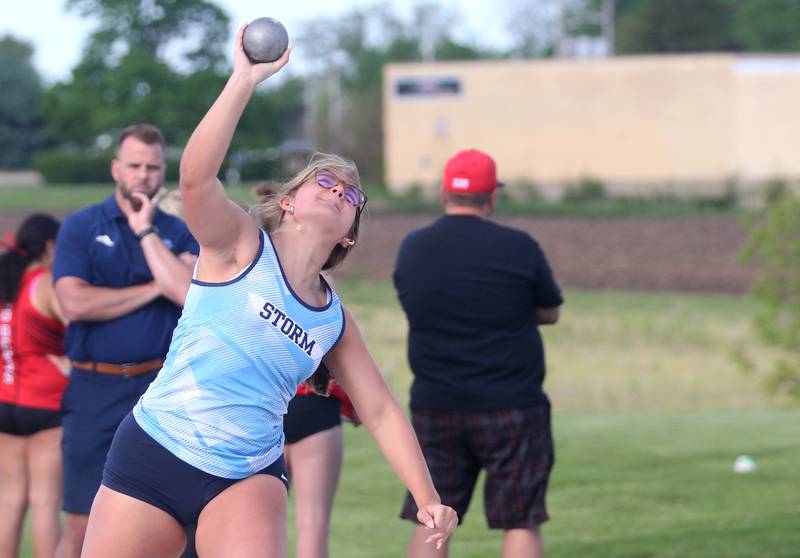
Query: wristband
[[151, 229]]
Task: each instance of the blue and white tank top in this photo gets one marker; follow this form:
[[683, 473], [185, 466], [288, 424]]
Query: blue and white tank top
[[239, 352]]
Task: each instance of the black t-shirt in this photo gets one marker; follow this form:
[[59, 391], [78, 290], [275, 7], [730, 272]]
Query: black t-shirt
[[470, 289]]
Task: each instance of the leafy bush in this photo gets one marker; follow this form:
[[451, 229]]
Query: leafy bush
[[586, 189], [523, 189], [774, 246], [60, 166], [260, 169], [774, 189], [63, 166], [728, 199]]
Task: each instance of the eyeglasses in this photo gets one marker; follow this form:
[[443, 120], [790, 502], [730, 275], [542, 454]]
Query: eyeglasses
[[352, 194]]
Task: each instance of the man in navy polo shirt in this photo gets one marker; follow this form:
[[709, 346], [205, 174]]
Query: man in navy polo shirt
[[475, 293], [122, 269]]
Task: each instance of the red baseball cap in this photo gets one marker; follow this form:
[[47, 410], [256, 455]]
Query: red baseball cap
[[470, 172]]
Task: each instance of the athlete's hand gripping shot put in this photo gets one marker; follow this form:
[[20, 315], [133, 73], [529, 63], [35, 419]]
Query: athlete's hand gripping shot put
[[204, 445]]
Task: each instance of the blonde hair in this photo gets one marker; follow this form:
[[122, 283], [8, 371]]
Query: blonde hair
[[170, 202], [269, 212]]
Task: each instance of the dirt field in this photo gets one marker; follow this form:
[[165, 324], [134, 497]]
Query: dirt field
[[690, 254], [669, 254]]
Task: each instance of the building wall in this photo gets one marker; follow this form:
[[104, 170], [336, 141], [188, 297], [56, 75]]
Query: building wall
[[633, 122], [767, 116]]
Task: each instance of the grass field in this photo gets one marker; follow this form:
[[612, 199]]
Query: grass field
[[71, 196], [650, 411], [626, 484], [612, 351]]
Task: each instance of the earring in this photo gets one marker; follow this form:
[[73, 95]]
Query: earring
[[291, 209], [351, 242]]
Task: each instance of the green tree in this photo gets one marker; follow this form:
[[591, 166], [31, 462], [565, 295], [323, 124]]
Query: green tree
[[22, 127], [101, 98], [348, 55], [653, 26], [774, 246], [198, 29], [662, 26], [164, 62], [345, 85], [448, 49], [124, 75], [533, 26], [272, 116], [769, 25]]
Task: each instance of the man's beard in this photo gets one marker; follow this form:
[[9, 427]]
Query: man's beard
[[135, 203]]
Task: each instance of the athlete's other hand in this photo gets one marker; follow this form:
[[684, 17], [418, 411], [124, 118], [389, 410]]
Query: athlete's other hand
[[441, 520]]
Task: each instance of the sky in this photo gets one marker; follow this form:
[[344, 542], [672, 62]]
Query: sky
[[58, 36]]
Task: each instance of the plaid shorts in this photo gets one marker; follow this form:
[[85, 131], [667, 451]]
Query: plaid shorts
[[514, 446]]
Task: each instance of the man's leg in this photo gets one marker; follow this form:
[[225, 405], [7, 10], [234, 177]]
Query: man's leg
[[454, 471], [81, 460], [72, 536], [517, 453], [93, 407], [522, 542], [418, 548]]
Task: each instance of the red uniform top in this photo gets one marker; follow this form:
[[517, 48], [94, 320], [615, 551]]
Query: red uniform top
[[30, 379], [336, 391]]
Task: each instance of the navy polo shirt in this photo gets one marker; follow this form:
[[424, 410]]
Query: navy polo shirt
[[97, 245], [470, 289]]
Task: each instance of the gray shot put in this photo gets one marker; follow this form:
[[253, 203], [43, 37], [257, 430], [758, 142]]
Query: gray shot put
[[265, 40]]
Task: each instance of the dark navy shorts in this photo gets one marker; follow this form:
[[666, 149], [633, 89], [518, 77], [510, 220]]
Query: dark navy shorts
[[309, 414], [142, 468], [93, 406], [513, 446], [26, 421]]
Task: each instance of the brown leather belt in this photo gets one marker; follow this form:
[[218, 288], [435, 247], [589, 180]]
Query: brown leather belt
[[127, 369]]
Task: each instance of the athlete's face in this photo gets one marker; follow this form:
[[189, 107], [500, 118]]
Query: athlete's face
[[351, 193], [328, 196], [138, 167]]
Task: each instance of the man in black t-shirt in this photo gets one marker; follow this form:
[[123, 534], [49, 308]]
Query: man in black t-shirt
[[475, 293]]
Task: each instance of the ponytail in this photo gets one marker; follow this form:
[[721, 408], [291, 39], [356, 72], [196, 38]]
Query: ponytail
[[28, 246]]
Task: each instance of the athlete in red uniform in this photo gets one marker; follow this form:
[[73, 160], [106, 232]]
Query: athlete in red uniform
[[38, 379], [33, 381]]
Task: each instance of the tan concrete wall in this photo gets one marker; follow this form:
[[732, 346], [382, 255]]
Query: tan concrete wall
[[768, 117], [661, 121]]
